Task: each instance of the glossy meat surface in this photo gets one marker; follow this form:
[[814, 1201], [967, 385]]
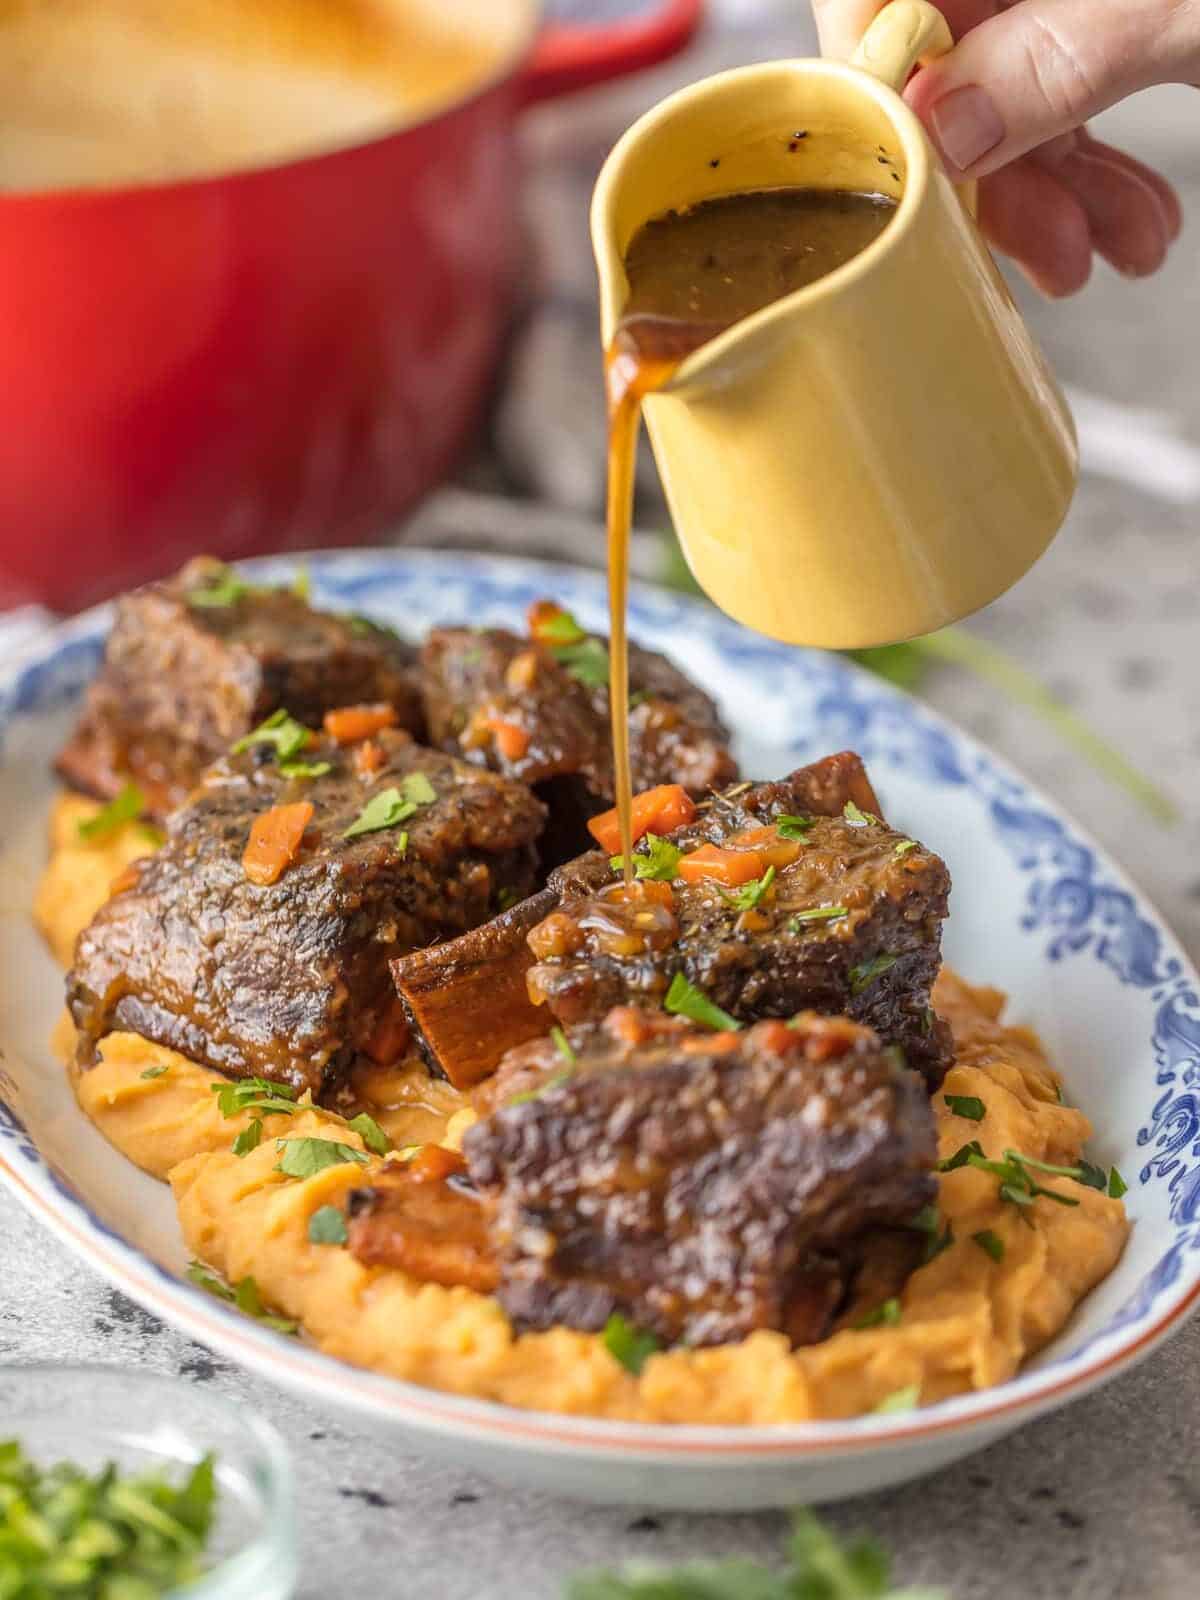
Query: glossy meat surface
[[475, 679], [849, 923], [181, 680], [704, 1185], [290, 980]]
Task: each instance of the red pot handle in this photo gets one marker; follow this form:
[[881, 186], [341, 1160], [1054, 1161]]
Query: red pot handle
[[571, 56]]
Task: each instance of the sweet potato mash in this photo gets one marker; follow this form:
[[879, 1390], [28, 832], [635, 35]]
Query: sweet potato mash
[[1005, 1282]]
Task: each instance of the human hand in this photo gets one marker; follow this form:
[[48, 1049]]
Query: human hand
[[1008, 106]]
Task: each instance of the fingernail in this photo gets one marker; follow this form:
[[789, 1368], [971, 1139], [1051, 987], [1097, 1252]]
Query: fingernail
[[966, 126]]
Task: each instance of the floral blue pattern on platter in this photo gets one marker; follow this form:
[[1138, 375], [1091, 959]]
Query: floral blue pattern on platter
[[1072, 913]]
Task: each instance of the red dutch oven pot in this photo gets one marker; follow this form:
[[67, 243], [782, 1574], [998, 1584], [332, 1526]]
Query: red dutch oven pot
[[270, 359]]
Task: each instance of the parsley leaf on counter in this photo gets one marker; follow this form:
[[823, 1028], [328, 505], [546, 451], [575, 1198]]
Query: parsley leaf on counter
[[685, 1000], [659, 860], [68, 1532], [126, 806], [627, 1344], [819, 1567]]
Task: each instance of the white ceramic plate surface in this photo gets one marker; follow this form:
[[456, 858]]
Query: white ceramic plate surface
[[1037, 910]]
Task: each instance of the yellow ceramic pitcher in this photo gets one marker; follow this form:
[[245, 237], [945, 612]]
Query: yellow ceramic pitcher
[[884, 451]]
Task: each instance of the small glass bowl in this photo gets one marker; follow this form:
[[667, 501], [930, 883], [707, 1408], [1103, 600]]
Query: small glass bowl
[[142, 1422]]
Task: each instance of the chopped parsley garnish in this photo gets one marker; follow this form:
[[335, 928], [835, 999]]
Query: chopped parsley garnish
[[254, 1094], [885, 1315], [659, 860], [392, 806], [1092, 1176], [1116, 1185], [791, 827], [126, 806], [68, 1534], [506, 899], [249, 1139], [906, 1399], [362, 627], [852, 813], [587, 661], [371, 1134], [817, 914], [904, 847], [305, 769], [864, 975], [280, 730], [969, 1106], [627, 1344], [154, 1072], [327, 1225], [302, 583], [222, 588], [556, 1082], [685, 1000], [935, 1243], [990, 1243], [154, 837], [1014, 1170], [564, 1047], [750, 895], [961, 1156], [560, 629], [244, 1295], [304, 1158], [928, 1221]]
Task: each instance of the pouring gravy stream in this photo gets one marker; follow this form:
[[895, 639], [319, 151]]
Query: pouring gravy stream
[[692, 275]]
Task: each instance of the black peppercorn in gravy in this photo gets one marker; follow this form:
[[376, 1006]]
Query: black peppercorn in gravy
[[693, 274]]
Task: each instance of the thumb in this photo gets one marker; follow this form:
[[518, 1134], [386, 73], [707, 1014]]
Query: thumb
[[842, 23], [1043, 67]]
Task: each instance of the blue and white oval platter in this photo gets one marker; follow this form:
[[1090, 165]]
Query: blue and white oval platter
[[1037, 910]]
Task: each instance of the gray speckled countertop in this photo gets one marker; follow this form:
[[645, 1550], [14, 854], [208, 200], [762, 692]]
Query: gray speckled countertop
[[1102, 1500]]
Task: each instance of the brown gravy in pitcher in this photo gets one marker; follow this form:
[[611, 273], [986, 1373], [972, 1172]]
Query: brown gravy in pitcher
[[693, 274]]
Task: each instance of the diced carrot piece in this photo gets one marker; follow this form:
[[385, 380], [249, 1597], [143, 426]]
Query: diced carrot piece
[[434, 1164], [389, 1039], [776, 1037], [349, 724], [774, 850], [660, 810], [629, 1024], [511, 739], [368, 758], [709, 1044], [274, 842], [730, 867]]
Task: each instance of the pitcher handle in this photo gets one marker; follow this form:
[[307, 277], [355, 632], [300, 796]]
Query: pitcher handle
[[905, 34]]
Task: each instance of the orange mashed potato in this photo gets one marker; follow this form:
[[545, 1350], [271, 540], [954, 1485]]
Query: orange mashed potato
[[966, 1320]]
